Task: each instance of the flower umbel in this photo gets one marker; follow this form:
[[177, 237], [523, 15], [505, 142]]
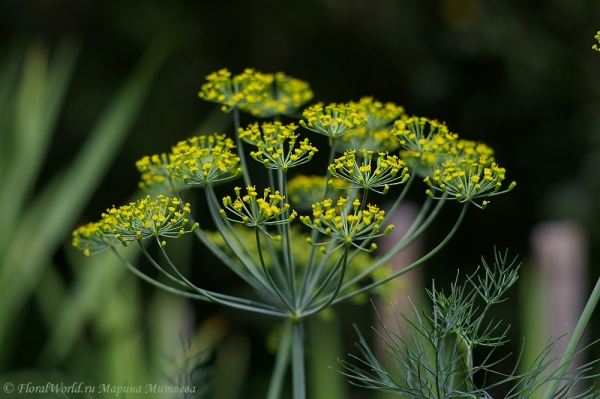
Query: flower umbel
[[246, 88], [285, 95], [379, 115], [467, 181], [346, 224], [389, 170], [204, 160], [146, 218], [376, 140], [92, 238], [276, 145], [334, 120], [423, 136], [154, 174], [257, 212], [305, 190]]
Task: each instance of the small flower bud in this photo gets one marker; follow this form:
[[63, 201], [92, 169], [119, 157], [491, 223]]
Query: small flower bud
[[388, 229]]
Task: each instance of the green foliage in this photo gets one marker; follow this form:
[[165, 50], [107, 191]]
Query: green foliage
[[39, 213], [433, 354]]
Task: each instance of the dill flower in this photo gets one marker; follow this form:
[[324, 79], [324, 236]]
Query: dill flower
[[379, 115], [284, 96], [246, 88], [597, 37], [346, 224], [468, 180], [146, 218], [333, 120], [204, 160], [306, 190], [257, 212], [376, 140], [276, 145], [154, 174], [423, 136], [389, 170], [92, 238]]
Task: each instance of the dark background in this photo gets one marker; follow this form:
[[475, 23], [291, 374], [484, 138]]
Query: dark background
[[519, 75]]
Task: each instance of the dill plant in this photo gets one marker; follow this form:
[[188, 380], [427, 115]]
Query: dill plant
[[433, 352], [296, 273]]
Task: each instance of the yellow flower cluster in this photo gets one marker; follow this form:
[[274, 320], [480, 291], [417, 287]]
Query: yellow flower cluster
[[204, 160], [597, 37], [306, 190], [376, 140], [248, 87], [462, 169], [276, 145], [156, 177], [389, 170], [344, 223], [473, 176], [260, 94], [333, 120], [255, 212], [146, 218], [379, 115], [285, 96], [93, 238], [423, 136], [135, 221]]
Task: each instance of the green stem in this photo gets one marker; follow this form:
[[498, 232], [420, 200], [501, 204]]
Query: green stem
[[575, 338], [315, 233], [286, 242], [223, 257], [240, 147], [337, 288], [343, 260], [298, 371], [155, 283], [281, 363], [207, 296], [222, 299], [284, 300]]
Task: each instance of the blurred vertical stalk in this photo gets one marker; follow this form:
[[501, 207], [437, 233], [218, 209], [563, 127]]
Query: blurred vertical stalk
[[412, 282], [554, 291], [34, 228]]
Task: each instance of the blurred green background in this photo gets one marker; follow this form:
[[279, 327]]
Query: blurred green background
[[89, 87]]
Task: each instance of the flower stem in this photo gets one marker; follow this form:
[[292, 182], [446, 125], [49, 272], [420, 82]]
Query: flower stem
[[240, 147], [298, 371], [574, 341], [281, 363]]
